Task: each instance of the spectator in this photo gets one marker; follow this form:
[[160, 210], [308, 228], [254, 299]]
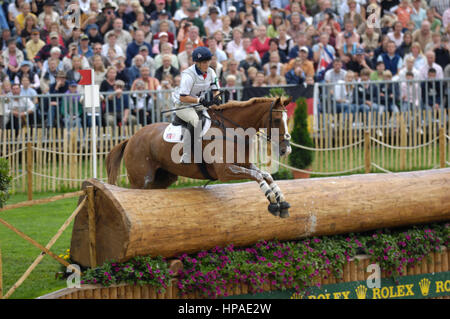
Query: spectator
[[408, 68], [164, 27], [418, 13], [163, 38], [123, 37], [273, 47], [59, 87], [109, 81], [166, 68], [12, 58], [423, 35], [49, 77], [193, 36], [259, 80], [295, 75], [151, 83], [350, 32], [250, 61], [389, 93], [302, 41], [166, 50], [336, 73], [195, 21], [48, 11], [234, 17], [27, 91], [264, 13], [370, 39], [353, 14], [185, 57], [274, 78], [71, 108], [25, 10], [396, 35], [261, 41], [343, 95], [410, 94], [26, 70], [248, 8], [99, 69], [133, 47], [416, 53], [111, 43], [405, 47], [33, 45], [324, 53], [272, 29], [430, 64], [30, 25], [93, 34], [232, 68], [441, 51], [220, 54], [274, 59], [392, 61], [226, 31], [377, 75], [252, 71], [164, 15], [230, 94], [295, 25], [141, 104], [73, 74], [435, 23], [349, 46], [359, 62], [44, 53], [118, 107], [285, 42], [431, 92], [305, 64], [20, 109], [403, 13], [216, 66], [366, 96], [213, 24], [248, 26], [235, 48]]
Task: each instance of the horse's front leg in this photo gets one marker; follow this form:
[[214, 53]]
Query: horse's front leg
[[284, 205], [228, 172]]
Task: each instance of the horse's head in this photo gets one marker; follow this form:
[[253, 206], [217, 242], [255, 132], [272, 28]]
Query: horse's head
[[277, 119]]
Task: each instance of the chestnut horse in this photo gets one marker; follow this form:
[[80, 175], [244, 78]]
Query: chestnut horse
[[150, 165]]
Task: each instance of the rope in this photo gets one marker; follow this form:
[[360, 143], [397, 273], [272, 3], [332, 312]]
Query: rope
[[325, 149], [404, 147], [68, 179], [380, 168], [319, 173], [448, 137], [11, 154], [17, 177], [70, 154]]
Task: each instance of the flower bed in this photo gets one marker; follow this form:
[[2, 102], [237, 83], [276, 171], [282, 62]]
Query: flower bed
[[273, 265]]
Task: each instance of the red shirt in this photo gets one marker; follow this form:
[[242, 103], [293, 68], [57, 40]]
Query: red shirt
[[261, 47]]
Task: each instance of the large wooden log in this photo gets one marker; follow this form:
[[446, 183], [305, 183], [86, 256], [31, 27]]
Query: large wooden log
[[132, 222]]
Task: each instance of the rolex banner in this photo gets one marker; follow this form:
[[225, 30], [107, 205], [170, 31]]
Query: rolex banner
[[406, 287]]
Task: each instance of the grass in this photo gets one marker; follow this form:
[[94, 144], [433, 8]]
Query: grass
[[40, 222]]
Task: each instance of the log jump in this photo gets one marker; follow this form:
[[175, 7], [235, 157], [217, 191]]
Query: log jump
[[167, 222]]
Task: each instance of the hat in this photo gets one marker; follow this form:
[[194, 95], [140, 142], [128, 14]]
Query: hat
[[213, 9], [73, 83], [143, 47], [160, 1], [34, 30], [359, 51], [192, 9], [304, 48], [84, 37], [54, 35], [108, 5], [26, 63], [232, 8], [61, 74], [162, 34], [163, 12], [348, 35], [49, 3]]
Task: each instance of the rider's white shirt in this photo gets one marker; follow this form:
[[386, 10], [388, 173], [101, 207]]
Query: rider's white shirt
[[194, 84]]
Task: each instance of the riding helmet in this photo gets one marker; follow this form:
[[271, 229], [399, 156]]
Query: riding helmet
[[201, 54]]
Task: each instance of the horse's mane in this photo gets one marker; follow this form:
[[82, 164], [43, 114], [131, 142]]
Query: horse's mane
[[240, 104]]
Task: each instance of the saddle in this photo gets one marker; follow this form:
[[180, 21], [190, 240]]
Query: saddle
[[174, 134]]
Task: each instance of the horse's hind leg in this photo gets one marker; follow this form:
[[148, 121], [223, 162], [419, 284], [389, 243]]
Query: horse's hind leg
[[163, 179]]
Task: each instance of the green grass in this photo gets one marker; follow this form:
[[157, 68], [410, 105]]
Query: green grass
[[40, 222]]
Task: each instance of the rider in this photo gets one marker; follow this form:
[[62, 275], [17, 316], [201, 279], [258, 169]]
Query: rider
[[196, 81]]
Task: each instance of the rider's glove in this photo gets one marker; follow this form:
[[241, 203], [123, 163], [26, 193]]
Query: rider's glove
[[217, 100], [205, 102]]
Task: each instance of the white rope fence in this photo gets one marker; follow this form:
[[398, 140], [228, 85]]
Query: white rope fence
[[404, 147], [326, 149], [66, 153], [318, 173], [380, 168], [14, 153], [68, 179]]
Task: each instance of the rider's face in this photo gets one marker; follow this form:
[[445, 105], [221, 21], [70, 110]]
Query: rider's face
[[203, 66]]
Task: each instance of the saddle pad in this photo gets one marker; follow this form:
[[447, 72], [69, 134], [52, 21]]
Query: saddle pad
[[174, 133]]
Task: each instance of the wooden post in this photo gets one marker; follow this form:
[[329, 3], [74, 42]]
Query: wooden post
[[402, 143], [367, 162], [442, 147], [30, 170], [91, 214]]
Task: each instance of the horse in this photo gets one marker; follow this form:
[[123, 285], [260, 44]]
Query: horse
[[149, 158]]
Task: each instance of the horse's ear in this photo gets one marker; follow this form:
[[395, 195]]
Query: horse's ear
[[287, 101], [277, 101]]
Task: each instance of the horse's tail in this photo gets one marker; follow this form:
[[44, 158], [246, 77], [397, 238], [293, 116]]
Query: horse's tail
[[113, 161]]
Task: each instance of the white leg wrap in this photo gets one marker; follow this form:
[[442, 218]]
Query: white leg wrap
[[277, 192], [267, 191]]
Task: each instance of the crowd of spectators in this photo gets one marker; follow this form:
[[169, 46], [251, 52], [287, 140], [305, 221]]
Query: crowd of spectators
[[138, 45]]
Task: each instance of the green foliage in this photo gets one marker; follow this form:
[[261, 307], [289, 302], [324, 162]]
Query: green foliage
[[5, 181], [295, 264], [282, 174], [301, 158], [276, 92]]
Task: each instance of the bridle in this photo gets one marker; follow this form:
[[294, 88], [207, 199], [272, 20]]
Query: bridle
[[268, 137]]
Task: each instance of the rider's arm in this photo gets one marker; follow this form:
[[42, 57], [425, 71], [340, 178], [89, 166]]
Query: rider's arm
[[189, 99]]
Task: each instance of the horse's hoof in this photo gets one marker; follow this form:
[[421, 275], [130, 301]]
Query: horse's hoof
[[274, 209], [284, 205], [284, 213]]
